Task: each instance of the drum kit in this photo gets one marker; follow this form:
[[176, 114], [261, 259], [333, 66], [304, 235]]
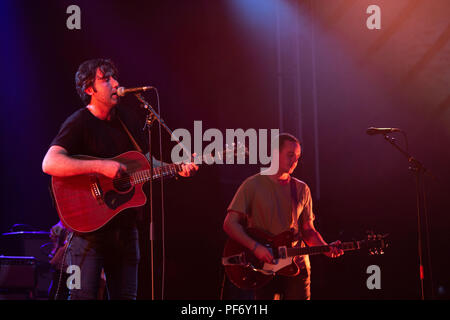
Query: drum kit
[[25, 271]]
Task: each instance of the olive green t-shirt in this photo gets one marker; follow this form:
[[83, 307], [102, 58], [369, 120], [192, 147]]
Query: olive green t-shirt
[[268, 205]]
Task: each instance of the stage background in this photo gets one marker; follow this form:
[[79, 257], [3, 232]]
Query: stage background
[[311, 68]]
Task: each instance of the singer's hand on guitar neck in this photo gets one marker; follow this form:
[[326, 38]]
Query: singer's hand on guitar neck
[[189, 168]]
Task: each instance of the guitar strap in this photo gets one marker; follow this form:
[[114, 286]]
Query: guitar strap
[[136, 146], [294, 207]]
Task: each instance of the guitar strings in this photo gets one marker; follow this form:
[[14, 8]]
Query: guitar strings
[[145, 174], [157, 172]]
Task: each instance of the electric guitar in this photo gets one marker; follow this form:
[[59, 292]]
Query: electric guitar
[[87, 202], [246, 271]]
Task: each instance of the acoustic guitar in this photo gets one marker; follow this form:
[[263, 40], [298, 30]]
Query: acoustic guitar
[[87, 202]]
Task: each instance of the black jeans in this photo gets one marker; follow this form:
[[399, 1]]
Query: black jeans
[[114, 250]]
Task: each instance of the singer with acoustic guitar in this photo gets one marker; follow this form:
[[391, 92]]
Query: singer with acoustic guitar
[[89, 143]]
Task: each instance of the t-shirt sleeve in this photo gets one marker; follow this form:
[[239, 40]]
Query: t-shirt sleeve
[[307, 212], [70, 135], [242, 199]]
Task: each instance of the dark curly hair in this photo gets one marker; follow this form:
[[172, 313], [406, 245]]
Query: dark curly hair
[[85, 76]]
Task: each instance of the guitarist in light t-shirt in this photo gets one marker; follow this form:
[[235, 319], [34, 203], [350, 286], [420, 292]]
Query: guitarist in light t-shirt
[[264, 202]]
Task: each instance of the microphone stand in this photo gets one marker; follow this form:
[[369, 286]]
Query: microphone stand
[[152, 111], [419, 170], [148, 125], [151, 116]]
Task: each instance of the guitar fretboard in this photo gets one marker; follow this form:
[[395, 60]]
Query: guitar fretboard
[[346, 246], [168, 170], [164, 171]]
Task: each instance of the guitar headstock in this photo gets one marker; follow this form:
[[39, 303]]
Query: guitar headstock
[[234, 150], [376, 243]]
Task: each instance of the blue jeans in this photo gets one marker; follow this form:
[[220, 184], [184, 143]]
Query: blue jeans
[[114, 250]]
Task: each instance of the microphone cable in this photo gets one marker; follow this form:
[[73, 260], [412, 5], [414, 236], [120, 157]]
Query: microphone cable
[[163, 227], [61, 271]]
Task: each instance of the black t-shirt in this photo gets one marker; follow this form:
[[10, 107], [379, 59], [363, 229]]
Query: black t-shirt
[[84, 134]]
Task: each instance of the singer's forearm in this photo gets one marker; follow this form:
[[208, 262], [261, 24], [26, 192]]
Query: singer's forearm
[[59, 164]]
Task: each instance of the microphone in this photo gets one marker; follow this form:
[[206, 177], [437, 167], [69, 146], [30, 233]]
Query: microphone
[[371, 131], [121, 91]]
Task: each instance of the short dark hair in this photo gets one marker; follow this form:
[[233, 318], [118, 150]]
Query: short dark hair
[[85, 76], [283, 137]]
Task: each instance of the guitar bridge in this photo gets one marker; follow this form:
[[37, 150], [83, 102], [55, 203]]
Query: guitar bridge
[[96, 191]]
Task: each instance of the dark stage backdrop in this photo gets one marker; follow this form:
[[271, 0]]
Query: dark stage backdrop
[[312, 68]]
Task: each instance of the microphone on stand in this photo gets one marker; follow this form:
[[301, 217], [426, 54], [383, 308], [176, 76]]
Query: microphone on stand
[[121, 91], [371, 131]]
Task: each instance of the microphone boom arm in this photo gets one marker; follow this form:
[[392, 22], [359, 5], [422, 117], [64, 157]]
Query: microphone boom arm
[[153, 114]]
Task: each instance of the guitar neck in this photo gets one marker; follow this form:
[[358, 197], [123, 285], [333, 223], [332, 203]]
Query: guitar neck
[[163, 171], [168, 170], [345, 246]]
